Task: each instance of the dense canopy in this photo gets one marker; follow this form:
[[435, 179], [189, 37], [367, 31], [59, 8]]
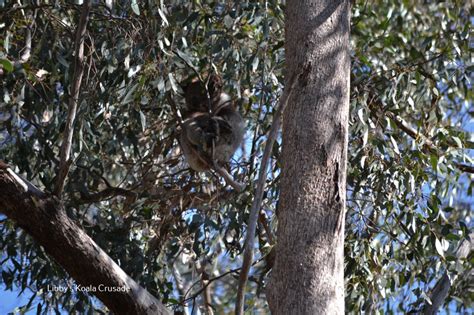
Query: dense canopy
[[173, 230]]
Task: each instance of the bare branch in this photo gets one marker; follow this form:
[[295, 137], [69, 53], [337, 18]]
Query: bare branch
[[206, 293], [236, 270], [180, 285], [408, 130], [239, 187], [107, 193], [43, 217], [206, 285], [465, 168], [257, 201], [65, 159]]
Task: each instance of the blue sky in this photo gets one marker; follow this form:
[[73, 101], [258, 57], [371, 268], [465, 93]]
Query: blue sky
[[10, 299]]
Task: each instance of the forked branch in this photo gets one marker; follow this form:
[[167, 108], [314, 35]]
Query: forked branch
[[65, 160]]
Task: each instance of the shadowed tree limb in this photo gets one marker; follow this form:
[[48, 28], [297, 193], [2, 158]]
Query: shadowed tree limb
[[43, 217]]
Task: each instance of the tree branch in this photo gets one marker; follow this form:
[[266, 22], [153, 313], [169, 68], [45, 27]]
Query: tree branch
[[257, 201], [239, 187], [416, 135], [43, 217], [206, 293], [465, 168], [185, 299], [107, 193], [378, 107], [65, 159]]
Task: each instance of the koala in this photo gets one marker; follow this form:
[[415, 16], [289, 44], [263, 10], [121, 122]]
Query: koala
[[196, 95], [213, 129]]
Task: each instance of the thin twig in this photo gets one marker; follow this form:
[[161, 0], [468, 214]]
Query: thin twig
[[180, 285], [427, 141], [206, 294], [176, 53], [239, 187], [465, 168], [65, 160], [175, 109], [205, 285], [257, 201], [212, 280], [107, 193]]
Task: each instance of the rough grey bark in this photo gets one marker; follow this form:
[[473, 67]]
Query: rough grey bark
[[42, 216], [308, 275]]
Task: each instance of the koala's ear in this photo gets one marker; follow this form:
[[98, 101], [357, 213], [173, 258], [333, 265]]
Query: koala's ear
[[215, 84], [195, 96], [187, 83]]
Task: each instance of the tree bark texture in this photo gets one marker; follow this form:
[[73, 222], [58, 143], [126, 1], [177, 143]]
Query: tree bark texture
[[308, 275], [43, 217]]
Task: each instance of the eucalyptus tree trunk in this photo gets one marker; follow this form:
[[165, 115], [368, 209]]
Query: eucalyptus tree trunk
[[308, 275]]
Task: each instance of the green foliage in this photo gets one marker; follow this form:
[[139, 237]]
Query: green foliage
[[409, 199]]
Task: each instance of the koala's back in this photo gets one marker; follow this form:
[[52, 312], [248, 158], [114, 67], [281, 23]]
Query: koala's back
[[229, 142]]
